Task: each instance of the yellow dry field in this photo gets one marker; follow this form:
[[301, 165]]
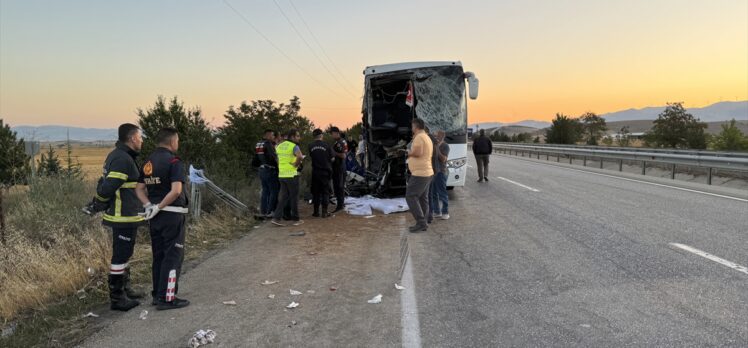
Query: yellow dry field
[[91, 157]]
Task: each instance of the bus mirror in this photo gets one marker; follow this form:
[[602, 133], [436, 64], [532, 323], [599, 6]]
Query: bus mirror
[[472, 84]]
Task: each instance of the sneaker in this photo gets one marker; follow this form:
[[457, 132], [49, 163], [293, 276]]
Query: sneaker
[[445, 217], [175, 304], [480, 180], [277, 223], [485, 179], [297, 223], [436, 216]]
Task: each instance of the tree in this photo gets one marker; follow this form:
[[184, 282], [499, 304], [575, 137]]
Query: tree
[[72, 168], [730, 138], [196, 139], [623, 137], [500, 137], [536, 140], [14, 166], [563, 130], [49, 164], [676, 128], [593, 127]]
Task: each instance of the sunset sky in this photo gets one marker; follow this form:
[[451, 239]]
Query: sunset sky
[[93, 63]]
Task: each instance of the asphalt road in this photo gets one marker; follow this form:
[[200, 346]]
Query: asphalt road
[[547, 256], [577, 259]]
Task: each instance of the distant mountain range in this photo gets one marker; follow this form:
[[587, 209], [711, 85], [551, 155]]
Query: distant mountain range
[[718, 112], [60, 133]]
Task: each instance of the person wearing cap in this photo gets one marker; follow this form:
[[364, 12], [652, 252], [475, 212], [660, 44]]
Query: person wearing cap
[[322, 156], [340, 149]]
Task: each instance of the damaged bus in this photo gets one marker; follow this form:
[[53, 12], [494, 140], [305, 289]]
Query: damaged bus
[[397, 93]]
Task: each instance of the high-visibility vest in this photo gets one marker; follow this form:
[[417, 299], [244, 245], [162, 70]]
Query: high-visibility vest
[[286, 159]]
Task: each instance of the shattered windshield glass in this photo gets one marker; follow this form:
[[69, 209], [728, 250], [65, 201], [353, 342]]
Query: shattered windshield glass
[[440, 101]]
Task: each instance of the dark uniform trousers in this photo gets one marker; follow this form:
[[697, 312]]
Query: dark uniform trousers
[[338, 183], [123, 244], [167, 243], [320, 188]]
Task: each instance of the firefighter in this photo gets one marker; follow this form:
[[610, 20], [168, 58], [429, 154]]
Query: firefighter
[[115, 196], [340, 149], [161, 185], [322, 155], [267, 161]]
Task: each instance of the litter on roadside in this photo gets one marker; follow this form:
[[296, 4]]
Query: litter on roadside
[[294, 292], [310, 291], [312, 253], [268, 282], [297, 234], [271, 296], [399, 287], [201, 338], [143, 315], [376, 299], [369, 216], [333, 288], [230, 303], [81, 294], [90, 315], [292, 305]]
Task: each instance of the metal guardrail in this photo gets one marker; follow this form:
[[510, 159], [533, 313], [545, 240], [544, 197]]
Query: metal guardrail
[[702, 159]]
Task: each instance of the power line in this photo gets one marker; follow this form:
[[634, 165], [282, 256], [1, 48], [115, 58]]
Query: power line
[[270, 42], [314, 37], [311, 49]]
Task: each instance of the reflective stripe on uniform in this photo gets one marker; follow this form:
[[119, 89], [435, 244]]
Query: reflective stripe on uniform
[[129, 185], [117, 204], [102, 198], [111, 218], [117, 175]]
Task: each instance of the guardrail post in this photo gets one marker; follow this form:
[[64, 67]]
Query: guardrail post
[[601, 163], [538, 155], [644, 167], [547, 156], [584, 161], [672, 174], [709, 176], [570, 159], [558, 157], [620, 165]]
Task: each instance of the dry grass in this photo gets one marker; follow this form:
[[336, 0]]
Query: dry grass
[[90, 157]]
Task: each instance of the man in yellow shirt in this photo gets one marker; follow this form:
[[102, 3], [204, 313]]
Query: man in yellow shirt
[[421, 172]]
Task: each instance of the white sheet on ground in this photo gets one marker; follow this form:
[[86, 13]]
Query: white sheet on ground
[[363, 205]]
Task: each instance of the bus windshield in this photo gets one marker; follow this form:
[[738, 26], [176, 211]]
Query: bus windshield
[[440, 101]]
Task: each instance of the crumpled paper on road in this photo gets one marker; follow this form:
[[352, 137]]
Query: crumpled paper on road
[[294, 292], [376, 299], [201, 338]]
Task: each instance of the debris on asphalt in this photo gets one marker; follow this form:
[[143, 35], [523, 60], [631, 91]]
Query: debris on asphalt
[[399, 287], [297, 234], [310, 291], [333, 288], [271, 296], [143, 315], [293, 323], [311, 253], [201, 338], [585, 325], [230, 303], [90, 315], [369, 216], [292, 305], [267, 282], [294, 292], [81, 294], [376, 299]]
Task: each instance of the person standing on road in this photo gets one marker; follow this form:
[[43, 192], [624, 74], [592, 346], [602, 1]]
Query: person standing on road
[[115, 196], [161, 184], [289, 160], [338, 168], [267, 161], [419, 164], [434, 165], [322, 155], [439, 197], [482, 149]]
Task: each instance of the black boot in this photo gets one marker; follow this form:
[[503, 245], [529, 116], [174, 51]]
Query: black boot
[[131, 293], [324, 211], [316, 210], [117, 295]]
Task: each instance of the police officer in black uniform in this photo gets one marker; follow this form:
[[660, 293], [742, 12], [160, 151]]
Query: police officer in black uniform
[[115, 196], [266, 160], [340, 149], [322, 155], [162, 180]]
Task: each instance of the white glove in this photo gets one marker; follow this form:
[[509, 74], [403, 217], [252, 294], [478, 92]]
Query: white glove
[[150, 211]]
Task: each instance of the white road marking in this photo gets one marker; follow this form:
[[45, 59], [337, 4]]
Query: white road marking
[[709, 256], [641, 181], [518, 184], [409, 321]]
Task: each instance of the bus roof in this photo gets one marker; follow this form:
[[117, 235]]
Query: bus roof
[[381, 69]]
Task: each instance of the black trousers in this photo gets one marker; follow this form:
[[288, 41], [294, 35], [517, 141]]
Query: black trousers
[[320, 189], [167, 244], [123, 245], [289, 194], [338, 184]]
